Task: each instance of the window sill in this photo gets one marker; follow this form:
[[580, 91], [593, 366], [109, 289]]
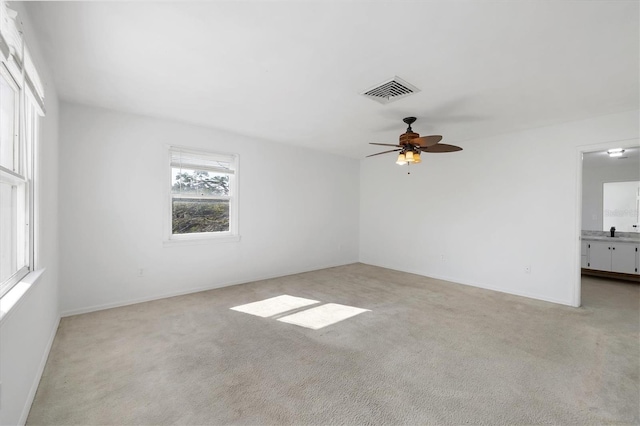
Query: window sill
[[198, 240], [14, 297]]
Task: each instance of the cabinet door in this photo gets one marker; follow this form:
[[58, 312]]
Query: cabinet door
[[623, 258], [600, 255]]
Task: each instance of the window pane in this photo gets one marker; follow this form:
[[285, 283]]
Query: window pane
[[7, 124], [199, 215], [198, 182], [8, 263]]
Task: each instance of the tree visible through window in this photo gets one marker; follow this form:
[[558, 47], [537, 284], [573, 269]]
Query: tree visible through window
[[202, 193]]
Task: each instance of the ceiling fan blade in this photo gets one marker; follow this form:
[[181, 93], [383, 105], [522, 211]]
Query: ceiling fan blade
[[385, 144], [441, 147], [426, 140], [384, 152]]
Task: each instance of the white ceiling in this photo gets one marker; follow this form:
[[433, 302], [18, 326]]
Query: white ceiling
[[292, 71]]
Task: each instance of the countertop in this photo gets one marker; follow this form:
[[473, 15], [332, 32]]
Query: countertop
[[613, 240]]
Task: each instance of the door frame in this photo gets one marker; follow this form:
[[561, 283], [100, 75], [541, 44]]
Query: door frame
[[580, 150]]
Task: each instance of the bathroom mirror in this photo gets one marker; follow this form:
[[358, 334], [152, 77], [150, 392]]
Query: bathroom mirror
[[621, 206]]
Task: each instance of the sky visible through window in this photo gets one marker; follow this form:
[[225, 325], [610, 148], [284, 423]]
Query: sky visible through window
[[199, 182]]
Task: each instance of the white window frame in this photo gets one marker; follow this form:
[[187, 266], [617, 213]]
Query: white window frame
[[26, 121], [203, 237]]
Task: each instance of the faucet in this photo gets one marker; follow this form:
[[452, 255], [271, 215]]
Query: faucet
[[613, 231]]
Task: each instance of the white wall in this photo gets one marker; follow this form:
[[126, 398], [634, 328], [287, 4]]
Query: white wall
[[592, 179], [503, 203], [28, 329], [298, 211]]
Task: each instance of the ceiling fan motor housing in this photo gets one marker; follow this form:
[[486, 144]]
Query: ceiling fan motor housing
[[407, 137]]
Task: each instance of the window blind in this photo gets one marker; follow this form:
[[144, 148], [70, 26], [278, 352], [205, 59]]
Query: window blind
[[16, 55], [185, 159]]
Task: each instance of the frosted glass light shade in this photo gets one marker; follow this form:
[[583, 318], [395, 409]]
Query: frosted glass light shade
[[401, 159], [409, 156], [616, 152], [416, 158]]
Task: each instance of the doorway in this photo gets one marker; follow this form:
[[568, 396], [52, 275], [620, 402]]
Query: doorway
[[609, 203]]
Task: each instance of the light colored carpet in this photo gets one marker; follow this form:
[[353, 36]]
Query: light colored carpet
[[429, 352]]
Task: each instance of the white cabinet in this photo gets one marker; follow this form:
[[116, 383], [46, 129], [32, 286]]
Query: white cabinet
[[613, 256], [584, 250], [623, 258], [600, 255]]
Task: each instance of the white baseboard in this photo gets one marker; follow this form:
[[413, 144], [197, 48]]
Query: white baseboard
[[36, 380], [190, 291], [501, 290], [479, 285]]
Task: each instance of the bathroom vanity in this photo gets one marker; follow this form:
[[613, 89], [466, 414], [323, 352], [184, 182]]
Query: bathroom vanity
[[617, 257]]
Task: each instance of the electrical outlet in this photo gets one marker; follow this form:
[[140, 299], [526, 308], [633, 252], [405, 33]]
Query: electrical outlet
[[527, 269]]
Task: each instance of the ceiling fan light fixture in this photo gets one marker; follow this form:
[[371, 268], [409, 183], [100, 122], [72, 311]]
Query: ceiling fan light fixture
[[401, 159], [416, 158], [409, 157]]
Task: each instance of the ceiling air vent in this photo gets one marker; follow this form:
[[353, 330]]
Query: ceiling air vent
[[390, 90]]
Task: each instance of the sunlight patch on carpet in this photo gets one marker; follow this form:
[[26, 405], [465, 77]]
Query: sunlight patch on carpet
[[274, 306], [322, 316]]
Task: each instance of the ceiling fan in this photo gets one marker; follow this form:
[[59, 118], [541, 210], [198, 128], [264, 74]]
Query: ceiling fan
[[411, 145]]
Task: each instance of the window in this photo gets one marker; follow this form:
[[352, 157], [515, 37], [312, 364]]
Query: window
[[21, 103], [17, 131], [203, 195]]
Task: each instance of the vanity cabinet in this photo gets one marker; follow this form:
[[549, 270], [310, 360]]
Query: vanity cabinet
[[584, 259], [613, 257], [599, 256], [624, 258]]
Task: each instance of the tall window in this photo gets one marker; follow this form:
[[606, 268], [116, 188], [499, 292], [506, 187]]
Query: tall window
[[17, 133], [203, 201], [21, 103]]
